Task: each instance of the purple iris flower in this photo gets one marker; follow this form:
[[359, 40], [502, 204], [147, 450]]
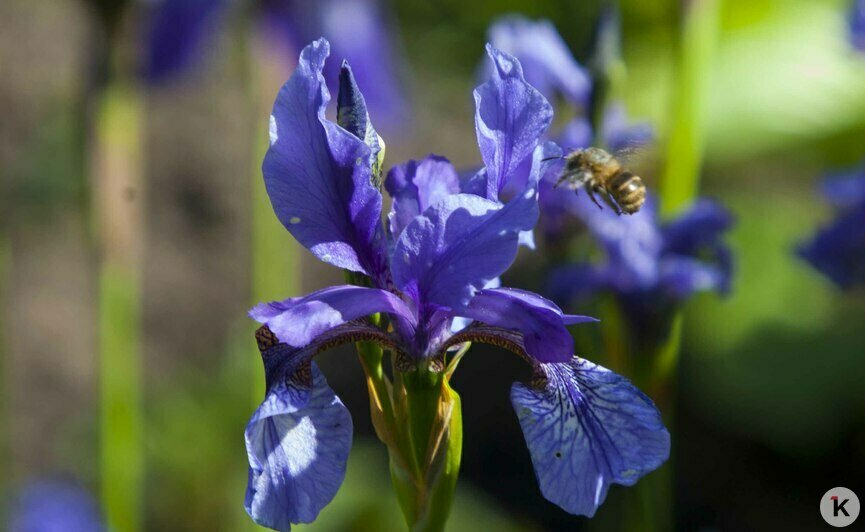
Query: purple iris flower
[[179, 32], [437, 259], [650, 266], [857, 24], [838, 250], [55, 506]]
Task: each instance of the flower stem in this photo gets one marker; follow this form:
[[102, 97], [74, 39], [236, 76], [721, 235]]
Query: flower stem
[[118, 198], [430, 419], [686, 143], [5, 259], [418, 416]]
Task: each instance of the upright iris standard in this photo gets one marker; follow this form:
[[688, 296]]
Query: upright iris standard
[[424, 286]]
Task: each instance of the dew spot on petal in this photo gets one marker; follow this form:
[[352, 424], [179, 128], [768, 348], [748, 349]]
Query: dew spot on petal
[[530, 193], [295, 219]]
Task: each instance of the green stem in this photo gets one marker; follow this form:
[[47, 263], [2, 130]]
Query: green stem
[[686, 143], [275, 263], [429, 419], [679, 186], [5, 425], [119, 199]]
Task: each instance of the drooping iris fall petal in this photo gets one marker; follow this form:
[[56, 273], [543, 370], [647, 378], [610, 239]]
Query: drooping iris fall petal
[[297, 443], [588, 428]]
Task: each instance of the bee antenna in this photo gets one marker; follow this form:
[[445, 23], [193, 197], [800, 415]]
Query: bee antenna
[[552, 158]]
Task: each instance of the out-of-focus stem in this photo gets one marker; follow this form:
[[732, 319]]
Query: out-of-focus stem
[[686, 142], [118, 203], [275, 254], [5, 427], [679, 186]]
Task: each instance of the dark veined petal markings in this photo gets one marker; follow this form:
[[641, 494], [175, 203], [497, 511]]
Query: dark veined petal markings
[[298, 443], [587, 428]]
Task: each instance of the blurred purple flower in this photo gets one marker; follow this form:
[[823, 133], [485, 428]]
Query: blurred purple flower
[[838, 250], [179, 32], [548, 63], [438, 260], [55, 506], [651, 267], [857, 24], [550, 66]]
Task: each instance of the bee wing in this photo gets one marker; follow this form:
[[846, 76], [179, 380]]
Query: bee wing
[[632, 153], [635, 157]]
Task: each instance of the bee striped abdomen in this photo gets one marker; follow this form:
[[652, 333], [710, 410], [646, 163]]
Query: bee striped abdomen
[[628, 190]]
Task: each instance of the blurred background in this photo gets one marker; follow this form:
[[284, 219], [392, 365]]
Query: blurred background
[[134, 235]]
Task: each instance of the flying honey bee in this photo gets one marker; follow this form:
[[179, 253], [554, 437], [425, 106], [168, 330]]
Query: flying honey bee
[[601, 173]]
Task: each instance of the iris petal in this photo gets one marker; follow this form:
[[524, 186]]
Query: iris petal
[[297, 443], [838, 249], [683, 276], [857, 24], [548, 63], [298, 321], [460, 244], [701, 225], [417, 185], [353, 116], [176, 32], [588, 428], [632, 243], [318, 176], [540, 321], [54, 505], [846, 189], [510, 117], [360, 32]]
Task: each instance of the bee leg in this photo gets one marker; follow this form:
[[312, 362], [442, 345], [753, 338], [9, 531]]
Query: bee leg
[[561, 180], [591, 193], [608, 199]]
